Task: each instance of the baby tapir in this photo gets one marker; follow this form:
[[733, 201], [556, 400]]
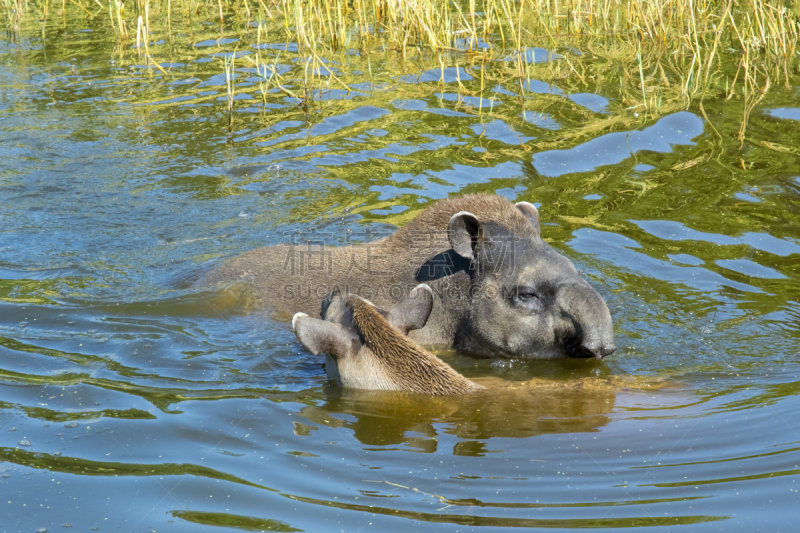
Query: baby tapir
[[367, 348]]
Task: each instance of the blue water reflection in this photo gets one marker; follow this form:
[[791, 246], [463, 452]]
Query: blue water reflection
[[678, 129], [619, 251], [592, 102], [675, 231]]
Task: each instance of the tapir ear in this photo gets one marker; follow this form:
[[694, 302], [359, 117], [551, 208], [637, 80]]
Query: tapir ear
[[530, 212], [321, 336], [334, 297], [413, 311], [463, 230]]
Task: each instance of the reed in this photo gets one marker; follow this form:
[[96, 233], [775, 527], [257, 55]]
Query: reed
[[665, 54], [14, 9], [766, 33], [229, 66], [767, 27]]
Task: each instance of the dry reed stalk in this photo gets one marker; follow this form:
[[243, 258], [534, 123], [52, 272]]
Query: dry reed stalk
[[229, 65]]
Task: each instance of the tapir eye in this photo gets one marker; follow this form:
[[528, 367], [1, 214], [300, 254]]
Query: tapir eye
[[527, 295]]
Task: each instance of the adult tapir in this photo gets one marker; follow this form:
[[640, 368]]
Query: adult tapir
[[499, 289]]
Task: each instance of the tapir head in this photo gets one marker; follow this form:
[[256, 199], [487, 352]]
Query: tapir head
[[340, 334], [526, 299], [367, 347]]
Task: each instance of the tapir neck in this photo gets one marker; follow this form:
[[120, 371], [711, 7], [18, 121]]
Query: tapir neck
[[450, 308]]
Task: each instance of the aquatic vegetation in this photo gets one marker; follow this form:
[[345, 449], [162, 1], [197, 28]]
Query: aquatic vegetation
[[663, 55]]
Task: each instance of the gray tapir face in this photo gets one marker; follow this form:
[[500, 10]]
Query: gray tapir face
[[527, 300]]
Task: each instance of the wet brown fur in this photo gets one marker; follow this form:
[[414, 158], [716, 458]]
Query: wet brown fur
[[486, 207], [394, 259], [410, 366]]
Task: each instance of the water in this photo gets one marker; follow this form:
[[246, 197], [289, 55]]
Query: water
[[130, 401]]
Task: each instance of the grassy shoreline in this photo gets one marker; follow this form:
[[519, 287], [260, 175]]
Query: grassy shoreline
[[664, 55]]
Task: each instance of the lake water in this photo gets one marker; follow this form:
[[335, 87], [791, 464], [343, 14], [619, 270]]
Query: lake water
[[130, 401]]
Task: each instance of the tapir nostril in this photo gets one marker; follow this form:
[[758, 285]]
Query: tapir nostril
[[591, 351], [601, 351], [593, 344]]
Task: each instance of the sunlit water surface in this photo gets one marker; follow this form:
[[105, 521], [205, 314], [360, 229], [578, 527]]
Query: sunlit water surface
[[130, 401]]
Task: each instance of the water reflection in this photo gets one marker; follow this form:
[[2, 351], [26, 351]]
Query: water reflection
[[499, 521], [614, 148], [245, 523], [518, 409]]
